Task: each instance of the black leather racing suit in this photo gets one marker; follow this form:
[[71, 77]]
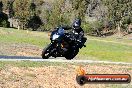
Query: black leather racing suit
[[80, 34]]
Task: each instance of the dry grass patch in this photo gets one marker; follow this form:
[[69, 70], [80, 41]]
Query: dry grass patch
[[57, 76]]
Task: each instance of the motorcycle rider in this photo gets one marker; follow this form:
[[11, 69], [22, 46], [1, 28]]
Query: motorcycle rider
[[77, 30], [64, 43]]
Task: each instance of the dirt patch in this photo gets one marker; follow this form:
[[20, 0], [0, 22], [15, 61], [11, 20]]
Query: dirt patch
[[17, 49], [57, 76]]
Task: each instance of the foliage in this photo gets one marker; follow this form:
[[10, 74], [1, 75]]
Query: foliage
[[10, 8], [1, 5], [25, 11], [97, 27], [4, 23], [57, 16], [32, 9], [34, 22], [87, 27], [80, 7], [21, 8], [3, 17], [119, 11], [110, 14]]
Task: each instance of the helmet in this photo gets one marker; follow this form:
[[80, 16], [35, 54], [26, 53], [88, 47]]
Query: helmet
[[77, 24]]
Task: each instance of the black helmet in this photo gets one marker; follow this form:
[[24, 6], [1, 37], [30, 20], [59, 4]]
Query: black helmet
[[77, 23]]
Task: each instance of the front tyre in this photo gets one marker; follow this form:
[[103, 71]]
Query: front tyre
[[46, 52]]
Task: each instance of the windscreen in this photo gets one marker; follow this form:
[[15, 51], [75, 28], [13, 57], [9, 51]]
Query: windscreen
[[61, 31]]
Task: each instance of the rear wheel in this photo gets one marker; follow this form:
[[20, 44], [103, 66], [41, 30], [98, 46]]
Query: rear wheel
[[71, 54], [46, 52]]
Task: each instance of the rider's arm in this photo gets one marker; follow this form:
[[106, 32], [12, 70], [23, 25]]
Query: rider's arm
[[81, 34], [67, 27]]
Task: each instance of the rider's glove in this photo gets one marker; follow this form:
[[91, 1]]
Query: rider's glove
[[79, 41]]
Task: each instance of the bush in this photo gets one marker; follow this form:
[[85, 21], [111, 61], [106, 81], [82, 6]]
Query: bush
[[87, 27], [93, 28], [34, 23], [98, 25], [127, 20], [4, 20], [4, 23]]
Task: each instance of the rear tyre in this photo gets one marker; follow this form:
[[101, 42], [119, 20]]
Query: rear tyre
[[71, 54], [46, 52]]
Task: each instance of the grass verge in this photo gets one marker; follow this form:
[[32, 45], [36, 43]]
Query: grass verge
[[30, 64], [95, 50]]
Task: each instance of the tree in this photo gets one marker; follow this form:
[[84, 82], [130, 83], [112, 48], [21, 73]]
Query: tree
[[32, 9], [56, 15], [34, 21], [21, 8], [3, 17], [117, 11], [1, 6], [10, 8], [80, 7]]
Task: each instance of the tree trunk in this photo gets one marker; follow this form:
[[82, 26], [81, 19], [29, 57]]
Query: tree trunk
[[18, 27], [119, 29], [129, 28]]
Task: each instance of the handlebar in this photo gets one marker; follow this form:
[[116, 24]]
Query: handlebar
[[70, 37]]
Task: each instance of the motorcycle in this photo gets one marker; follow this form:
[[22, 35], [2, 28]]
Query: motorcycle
[[62, 45]]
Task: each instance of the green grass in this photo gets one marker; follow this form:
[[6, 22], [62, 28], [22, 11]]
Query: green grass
[[107, 51], [3, 64], [95, 50], [114, 39], [21, 36]]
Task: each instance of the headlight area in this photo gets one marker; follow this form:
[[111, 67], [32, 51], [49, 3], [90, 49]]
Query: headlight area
[[55, 36]]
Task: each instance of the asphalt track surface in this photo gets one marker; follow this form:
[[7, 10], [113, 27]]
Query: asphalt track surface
[[60, 59]]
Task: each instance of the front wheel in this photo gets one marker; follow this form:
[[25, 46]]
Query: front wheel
[[46, 52]]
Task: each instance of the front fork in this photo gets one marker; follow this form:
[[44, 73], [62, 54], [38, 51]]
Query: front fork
[[56, 48]]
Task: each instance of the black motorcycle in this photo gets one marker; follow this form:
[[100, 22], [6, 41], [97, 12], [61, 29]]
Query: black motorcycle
[[63, 45]]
